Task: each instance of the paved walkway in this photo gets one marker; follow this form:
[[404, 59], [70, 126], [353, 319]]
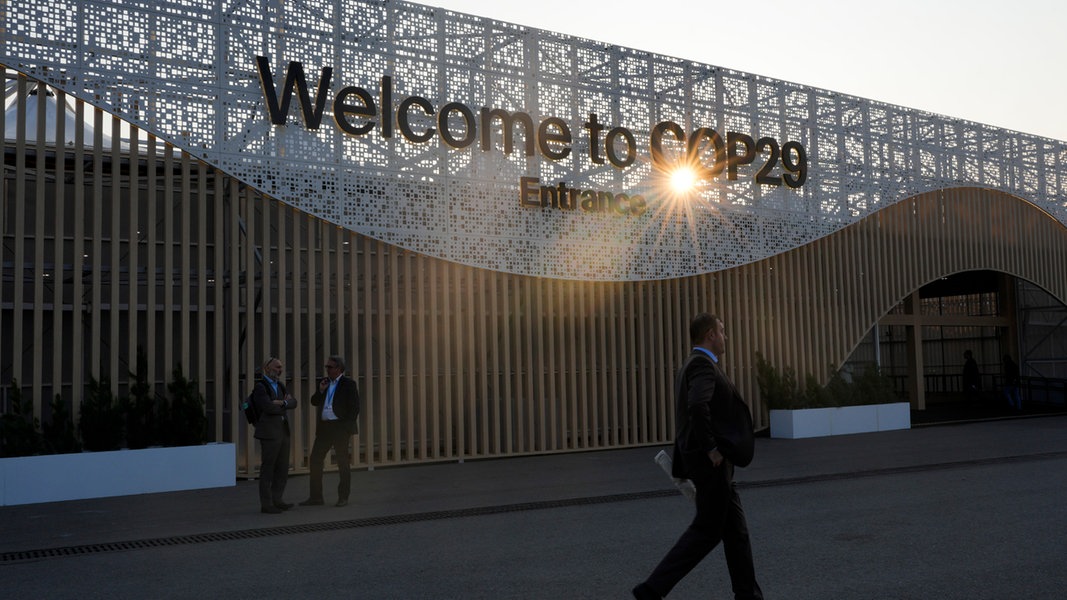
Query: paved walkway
[[486, 486]]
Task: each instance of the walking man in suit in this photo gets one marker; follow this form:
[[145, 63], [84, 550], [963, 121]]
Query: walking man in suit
[[272, 431], [337, 402], [713, 433]]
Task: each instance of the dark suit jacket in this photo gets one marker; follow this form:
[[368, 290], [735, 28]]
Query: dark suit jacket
[[272, 424], [710, 414], [345, 402]]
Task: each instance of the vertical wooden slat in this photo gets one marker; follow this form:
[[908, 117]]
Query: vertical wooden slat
[[516, 372], [615, 357], [406, 352], [39, 216], [446, 319], [433, 321], [221, 326], [384, 384], [600, 366], [77, 370], [395, 384], [253, 271], [134, 254], [318, 333], [416, 323], [166, 297], [60, 349], [18, 232], [281, 279], [508, 319], [370, 390], [5, 199], [480, 342], [569, 325], [354, 331], [302, 370], [584, 379], [551, 327], [641, 342], [496, 398], [199, 352], [97, 252], [115, 206], [540, 376]]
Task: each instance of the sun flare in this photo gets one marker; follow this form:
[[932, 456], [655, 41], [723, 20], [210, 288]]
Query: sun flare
[[683, 180]]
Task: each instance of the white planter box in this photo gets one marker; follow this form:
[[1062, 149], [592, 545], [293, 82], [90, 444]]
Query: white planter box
[[843, 420], [55, 477]]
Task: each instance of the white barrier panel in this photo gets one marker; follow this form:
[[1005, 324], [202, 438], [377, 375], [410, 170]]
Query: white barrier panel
[[57, 477], [842, 420]]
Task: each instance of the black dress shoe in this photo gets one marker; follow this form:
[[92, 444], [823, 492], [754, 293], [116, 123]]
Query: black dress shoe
[[342, 502], [283, 505], [271, 510], [312, 502], [643, 592]]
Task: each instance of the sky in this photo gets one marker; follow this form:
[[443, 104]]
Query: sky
[[994, 62]]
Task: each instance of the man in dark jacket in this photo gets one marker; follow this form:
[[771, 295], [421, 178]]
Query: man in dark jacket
[[337, 402], [713, 433], [272, 431]]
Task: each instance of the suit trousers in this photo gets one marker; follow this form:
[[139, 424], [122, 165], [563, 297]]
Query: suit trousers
[[273, 470], [336, 435], [719, 517]]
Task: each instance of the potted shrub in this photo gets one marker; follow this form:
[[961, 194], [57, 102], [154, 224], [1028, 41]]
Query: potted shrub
[[19, 434], [100, 423], [140, 408], [186, 421], [190, 464], [861, 403]]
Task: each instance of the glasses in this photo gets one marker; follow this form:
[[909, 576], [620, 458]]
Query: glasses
[[329, 366]]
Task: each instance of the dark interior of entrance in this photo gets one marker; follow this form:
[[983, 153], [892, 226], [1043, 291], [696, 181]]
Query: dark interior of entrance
[[991, 314]]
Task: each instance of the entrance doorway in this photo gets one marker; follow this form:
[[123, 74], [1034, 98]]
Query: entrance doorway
[[990, 314]]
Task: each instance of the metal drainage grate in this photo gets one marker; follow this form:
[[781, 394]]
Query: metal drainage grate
[[225, 536], [245, 534]]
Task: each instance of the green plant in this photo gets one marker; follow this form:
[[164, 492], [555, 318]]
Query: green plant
[[187, 425], [782, 390], [19, 428], [872, 387], [59, 435], [142, 420], [778, 389], [101, 419]]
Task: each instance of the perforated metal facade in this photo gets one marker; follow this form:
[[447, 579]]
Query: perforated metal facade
[[186, 71]]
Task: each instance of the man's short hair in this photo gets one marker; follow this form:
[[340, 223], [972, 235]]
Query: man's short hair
[[339, 361], [267, 362], [700, 326]]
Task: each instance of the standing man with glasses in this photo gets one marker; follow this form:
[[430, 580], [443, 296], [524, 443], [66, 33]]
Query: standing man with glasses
[[272, 431], [337, 402]]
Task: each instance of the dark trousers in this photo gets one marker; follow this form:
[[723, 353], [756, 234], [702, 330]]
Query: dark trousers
[[273, 470], [336, 435], [719, 518]]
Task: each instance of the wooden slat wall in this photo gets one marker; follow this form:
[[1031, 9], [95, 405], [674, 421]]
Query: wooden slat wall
[[453, 362]]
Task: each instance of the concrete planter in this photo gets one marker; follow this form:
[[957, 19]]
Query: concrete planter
[[842, 420], [55, 477]]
